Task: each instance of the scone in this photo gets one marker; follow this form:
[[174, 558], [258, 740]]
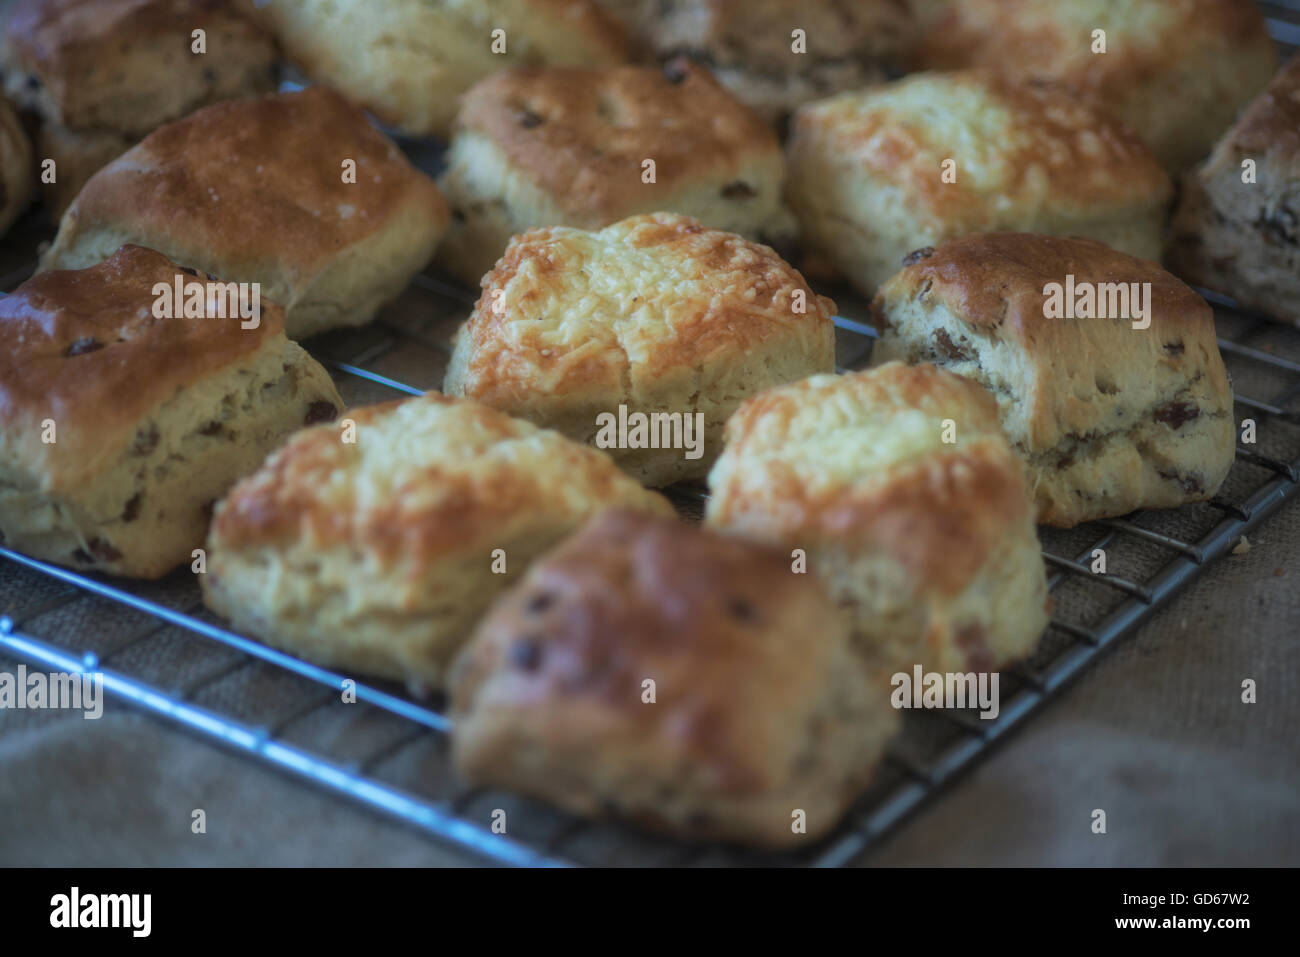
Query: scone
[[1175, 71], [100, 74], [874, 175], [1106, 370], [690, 682], [640, 338], [558, 146], [297, 192], [16, 172], [120, 427], [374, 544], [409, 61], [901, 491], [777, 54], [1243, 238]]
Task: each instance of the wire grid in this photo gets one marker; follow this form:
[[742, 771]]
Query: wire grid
[[161, 651]]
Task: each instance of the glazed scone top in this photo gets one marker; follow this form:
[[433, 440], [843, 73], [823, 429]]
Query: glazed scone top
[[82, 347], [260, 180], [425, 476], [1054, 38], [863, 455], [581, 135], [54, 39], [566, 310], [709, 616], [1018, 147], [1269, 128]]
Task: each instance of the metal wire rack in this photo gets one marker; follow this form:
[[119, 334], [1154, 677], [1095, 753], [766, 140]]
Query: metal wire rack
[[159, 650]]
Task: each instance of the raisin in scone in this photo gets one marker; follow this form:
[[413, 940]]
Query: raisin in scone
[[900, 489], [295, 191], [876, 174], [569, 147], [759, 710], [100, 74], [777, 54], [1174, 71], [410, 61], [119, 430], [374, 544], [1111, 410], [1237, 227], [653, 316]]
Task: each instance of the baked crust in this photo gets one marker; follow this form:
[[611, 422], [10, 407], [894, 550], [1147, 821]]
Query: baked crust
[[759, 707], [655, 312], [1176, 71], [410, 61], [127, 65], [1240, 238], [379, 554], [566, 146], [152, 418], [865, 170], [1109, 418], [254, 190], [927, 544]]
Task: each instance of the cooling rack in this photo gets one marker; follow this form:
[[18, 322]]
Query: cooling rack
[[160, 651]]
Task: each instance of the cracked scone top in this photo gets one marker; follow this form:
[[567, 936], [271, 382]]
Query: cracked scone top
[[1109, 418], [866, 170], [379, 554], [657, 313], [900, 488]]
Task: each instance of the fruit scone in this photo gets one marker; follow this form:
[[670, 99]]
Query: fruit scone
[[875, 174], [899, 489], [691, 682], [376, 542], [1106, 368], [120, 426], [296, 191], [656, 316], [99, 74], [585, 147], [1237, 226]]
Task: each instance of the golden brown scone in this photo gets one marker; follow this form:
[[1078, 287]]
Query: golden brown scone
[[130, 65], [377, 550], [759, 708], [1242, 237], [559, 146], [653, 316], [899, 486], [409, 61], [752, 47], [119, 429], [1175, 71], [866, 173], [16, 170], [1109, 417], [258, 191]]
